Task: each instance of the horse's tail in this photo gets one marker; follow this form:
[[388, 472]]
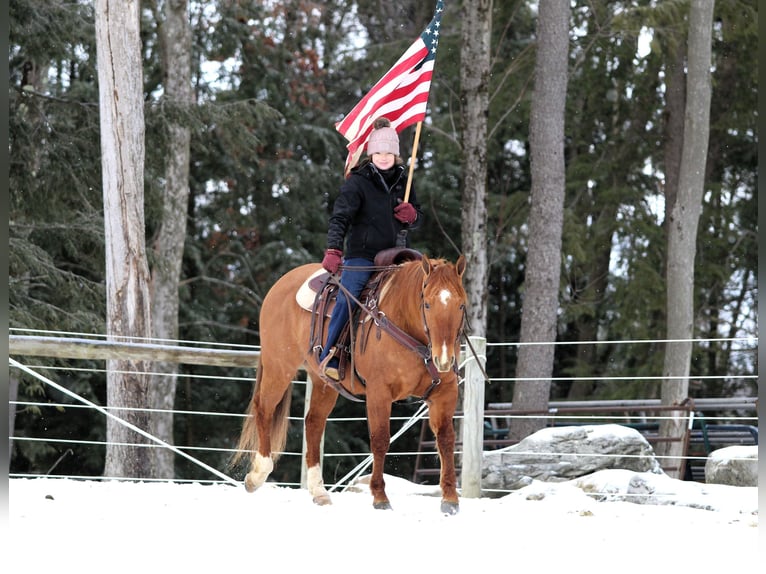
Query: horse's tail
[[248, 438]]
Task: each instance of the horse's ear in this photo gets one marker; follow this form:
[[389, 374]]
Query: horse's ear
[[460, 265], [426, 263]]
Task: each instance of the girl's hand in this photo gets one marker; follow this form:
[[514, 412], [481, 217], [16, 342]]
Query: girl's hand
[[405, 213]]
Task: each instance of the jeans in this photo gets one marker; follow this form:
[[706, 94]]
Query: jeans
[[354, 281]]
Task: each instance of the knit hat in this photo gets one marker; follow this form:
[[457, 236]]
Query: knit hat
[[383, 138]]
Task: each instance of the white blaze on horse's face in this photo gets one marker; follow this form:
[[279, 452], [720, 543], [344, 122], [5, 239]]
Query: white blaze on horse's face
[[443, 354]]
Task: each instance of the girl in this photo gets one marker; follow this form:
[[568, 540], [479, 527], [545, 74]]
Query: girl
[[367, 217]]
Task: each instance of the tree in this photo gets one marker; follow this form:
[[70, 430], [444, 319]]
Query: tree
[[120, 75], [543, 269], [684, 220], [474, 87], [168, 243]]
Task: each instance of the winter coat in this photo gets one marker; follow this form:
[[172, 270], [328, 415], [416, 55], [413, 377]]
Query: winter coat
[[363, 214]]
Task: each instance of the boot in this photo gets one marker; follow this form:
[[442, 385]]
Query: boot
[[329, 366]]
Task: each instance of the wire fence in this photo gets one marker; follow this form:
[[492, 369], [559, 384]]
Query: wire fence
[[404, 426]]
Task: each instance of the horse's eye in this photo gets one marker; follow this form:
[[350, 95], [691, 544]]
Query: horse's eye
[[427, 306]]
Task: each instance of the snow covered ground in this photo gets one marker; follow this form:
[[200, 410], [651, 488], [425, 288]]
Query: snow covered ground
[[60, 525]]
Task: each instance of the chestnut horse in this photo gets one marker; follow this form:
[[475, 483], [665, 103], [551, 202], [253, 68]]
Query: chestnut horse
[[422, 300]]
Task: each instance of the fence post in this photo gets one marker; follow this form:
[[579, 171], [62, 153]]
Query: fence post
[[473, 421]]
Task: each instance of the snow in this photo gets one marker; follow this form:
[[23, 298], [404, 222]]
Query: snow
[[66, 525]]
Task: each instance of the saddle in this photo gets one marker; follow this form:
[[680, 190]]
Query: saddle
[[318, 295]]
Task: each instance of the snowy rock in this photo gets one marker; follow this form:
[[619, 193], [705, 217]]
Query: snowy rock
[[733, 465], [559, 454], [648, 488]]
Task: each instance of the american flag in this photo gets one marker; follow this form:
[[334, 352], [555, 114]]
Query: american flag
[[400, 95]]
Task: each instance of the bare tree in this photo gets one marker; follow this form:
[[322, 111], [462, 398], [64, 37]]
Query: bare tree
[[683, 224], [120, 78], [474, 87], [546, 216], [168, 243]]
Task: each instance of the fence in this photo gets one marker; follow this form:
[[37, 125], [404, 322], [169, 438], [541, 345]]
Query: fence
[[474, 416]]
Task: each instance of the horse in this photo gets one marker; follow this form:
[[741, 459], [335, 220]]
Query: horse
[[408, 347]]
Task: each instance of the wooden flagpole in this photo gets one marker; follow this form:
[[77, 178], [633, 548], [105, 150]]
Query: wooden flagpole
[[412, 162]]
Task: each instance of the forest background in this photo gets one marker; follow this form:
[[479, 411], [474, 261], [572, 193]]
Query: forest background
[[270, 79]]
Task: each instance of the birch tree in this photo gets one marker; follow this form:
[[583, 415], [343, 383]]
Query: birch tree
[[683, 224], [120, 77], [546, 216]]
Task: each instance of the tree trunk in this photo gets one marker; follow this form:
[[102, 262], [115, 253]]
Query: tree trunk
[[682, 227], [120, 80], [474, 86], [546, 216], [168, 245], [675, 101]]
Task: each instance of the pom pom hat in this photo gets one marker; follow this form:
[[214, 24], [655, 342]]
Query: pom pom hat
[[383, 138]]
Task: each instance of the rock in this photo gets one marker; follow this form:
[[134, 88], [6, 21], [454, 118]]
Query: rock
[[733, 465], [559, 454], [661, 490]]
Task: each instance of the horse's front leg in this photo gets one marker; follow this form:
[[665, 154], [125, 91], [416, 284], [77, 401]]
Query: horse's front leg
[[379, 422], [320, 406], [441, 409]]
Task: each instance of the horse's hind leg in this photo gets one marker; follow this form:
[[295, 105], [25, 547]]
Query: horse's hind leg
[[321, 404], [269, 412], [261, 462], [259, 471]]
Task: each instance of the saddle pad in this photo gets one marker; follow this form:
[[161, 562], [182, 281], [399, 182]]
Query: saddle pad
[[306, 294]]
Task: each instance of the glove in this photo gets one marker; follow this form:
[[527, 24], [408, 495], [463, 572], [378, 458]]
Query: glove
[[332, 260], [405, 213]]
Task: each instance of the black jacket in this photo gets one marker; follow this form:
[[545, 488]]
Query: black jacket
[[363, 214]]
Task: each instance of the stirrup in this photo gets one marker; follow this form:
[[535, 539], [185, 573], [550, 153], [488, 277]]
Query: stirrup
[[326, 370]]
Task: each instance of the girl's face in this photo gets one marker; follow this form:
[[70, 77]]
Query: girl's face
[[383, 161]]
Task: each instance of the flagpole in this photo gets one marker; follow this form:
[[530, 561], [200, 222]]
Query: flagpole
[[412, 161]]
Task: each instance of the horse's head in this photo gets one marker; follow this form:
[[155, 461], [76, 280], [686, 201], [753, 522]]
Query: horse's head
[[444, 300]]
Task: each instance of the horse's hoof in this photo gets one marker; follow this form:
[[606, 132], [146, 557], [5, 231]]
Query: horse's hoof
[[322, 500], [249, 486], [450, 508], [385, 505]]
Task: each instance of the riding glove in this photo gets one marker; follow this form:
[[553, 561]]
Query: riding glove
[[405, 213], [332, 260]]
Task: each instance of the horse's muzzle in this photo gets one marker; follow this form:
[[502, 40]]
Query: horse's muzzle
[[444, 362]]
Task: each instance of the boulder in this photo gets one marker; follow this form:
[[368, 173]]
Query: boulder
[[559, 454], [733, 465]]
